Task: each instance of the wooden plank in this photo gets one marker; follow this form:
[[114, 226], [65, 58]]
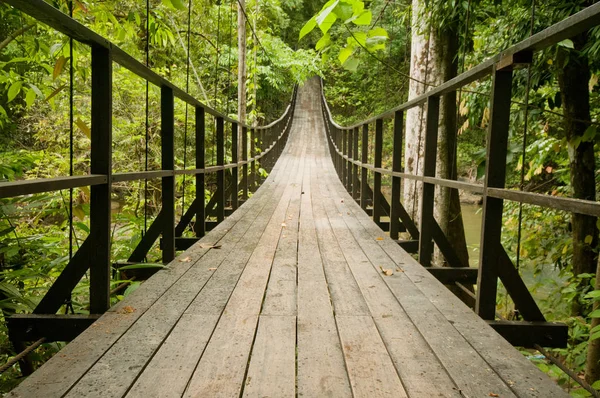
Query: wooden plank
[[390, 318], [61, 372], [210, 302], [371, 371], [280, 298], [345, 294], [321, 369], [457, 356], [221, 369], [272, 369], [514, 369]]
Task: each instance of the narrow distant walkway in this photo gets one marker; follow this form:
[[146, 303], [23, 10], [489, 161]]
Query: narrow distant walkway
[[294, 303]]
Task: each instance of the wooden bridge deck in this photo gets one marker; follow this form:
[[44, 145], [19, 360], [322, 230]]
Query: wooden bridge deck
[[293, 303]]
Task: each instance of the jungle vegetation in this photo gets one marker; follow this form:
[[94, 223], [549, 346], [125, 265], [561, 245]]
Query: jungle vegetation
[[372, 55]]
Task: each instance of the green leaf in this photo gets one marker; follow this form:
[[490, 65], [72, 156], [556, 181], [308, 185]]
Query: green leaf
[[174, 4], [143, 266], [595, 314], [596, 385], [323, 42], [3, 111], [30, 97], [180, 5], [593, 294], [308, 27], [567, 43], [343, 11], [351, 64], [325, 19], [36, 90], [357, 37], [364, 18], [344, 54], [377, 32], [131, 288], [589, 134], [14, 90], [588, 239]]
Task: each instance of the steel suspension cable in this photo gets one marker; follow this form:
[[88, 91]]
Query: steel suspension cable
[[187, 90], [524, 145], [147, 122], [68, 302]]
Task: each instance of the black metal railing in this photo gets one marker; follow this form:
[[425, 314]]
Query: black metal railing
[[259, 145], [353, 167]]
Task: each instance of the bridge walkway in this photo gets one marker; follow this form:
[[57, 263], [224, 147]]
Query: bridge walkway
[[297, 293]]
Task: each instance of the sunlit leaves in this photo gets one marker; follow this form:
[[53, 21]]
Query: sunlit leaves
[[14, 90], [350, 12], [174, 4], [308, 27], [325, 41]]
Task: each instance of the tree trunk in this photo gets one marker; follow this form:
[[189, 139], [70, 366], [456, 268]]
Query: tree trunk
[[433, 61], [573, 77], [241, 62], [415, 117]]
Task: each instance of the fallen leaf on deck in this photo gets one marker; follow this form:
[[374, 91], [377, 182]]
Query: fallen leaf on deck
[[342, 201], [494, 395], [127, 310], [386, 272], [209, 246], [399, 270], [283, 224], [185, 259], [212, 269], [379, 238]]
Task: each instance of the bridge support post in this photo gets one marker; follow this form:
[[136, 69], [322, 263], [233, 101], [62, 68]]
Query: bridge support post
[[364, 173], [234, 171], [101, 163], [252, 176], [220, 141], [377, 210], [427, 200], [167, 133], [200, 225], [396, 181], [355, 182], [350, 154], [245, 166], [495, 173]]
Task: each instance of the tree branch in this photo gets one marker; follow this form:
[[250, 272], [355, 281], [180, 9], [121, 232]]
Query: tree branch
[[14, 35]]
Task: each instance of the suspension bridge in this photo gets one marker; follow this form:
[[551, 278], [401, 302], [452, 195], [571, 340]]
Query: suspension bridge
[[302, 288]]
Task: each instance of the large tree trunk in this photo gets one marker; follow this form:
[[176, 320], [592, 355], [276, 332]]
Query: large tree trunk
[[433, 61], [420, 55], [573, 77]]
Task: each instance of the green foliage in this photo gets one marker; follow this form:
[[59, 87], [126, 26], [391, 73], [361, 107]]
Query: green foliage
[[348, 12]]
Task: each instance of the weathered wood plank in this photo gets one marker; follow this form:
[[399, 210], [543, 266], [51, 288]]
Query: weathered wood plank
[[409, 350], [222, 368], [524, 379], [210, 303], [370, 368], [321, 369], [272, 369]]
